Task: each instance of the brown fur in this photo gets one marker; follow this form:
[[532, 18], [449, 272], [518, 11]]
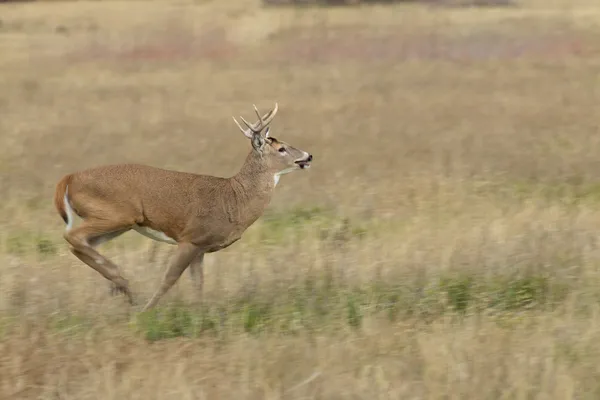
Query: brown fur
[[201, 213], [59, 194]]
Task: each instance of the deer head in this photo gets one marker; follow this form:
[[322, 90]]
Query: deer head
[[279, 157]]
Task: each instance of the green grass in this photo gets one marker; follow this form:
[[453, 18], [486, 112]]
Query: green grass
[[21, 242], [319, 306], [281, 227]]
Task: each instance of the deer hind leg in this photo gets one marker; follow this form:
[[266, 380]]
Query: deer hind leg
[[91, 233], [113, 288], [185, 254]]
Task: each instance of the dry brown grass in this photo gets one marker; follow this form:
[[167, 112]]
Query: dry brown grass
[[444, 245]]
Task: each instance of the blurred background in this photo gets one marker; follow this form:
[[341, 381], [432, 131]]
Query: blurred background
[[443, 245]]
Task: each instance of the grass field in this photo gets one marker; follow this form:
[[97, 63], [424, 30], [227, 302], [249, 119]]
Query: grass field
[[444, 245]]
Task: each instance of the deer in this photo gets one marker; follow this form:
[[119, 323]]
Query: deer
[[198, 213]]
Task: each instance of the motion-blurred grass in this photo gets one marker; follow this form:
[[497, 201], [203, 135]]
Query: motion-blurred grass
[[444, 244]]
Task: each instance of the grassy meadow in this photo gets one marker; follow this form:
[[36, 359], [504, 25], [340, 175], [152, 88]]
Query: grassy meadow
[[445, 243]]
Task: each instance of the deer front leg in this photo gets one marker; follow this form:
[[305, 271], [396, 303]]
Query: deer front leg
[[152, 251], [185, 253], [197, 273]]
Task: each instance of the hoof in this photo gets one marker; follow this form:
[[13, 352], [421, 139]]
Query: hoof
[[119, 290]]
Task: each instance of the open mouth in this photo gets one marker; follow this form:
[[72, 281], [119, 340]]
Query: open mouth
[[304, 164]]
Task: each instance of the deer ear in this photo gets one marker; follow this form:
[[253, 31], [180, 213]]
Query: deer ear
[[258, 142]]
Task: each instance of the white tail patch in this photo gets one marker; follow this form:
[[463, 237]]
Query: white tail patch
[[153, 234], [68, 210]]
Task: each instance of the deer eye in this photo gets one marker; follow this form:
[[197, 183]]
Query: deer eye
[[282, 150]]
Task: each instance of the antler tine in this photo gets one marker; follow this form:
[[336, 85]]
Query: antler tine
[[260, 120], [260, 124], [268, 117], [250, 126], [238, 124]]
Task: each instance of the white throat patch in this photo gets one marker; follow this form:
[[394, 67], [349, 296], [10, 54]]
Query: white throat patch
[[278, 175]]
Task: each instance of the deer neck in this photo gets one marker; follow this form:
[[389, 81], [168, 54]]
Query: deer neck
[[252, 188]]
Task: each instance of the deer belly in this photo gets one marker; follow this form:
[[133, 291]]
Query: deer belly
[[154, 234], [222, 244]]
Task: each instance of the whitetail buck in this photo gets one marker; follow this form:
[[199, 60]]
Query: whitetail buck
[[198, 213]]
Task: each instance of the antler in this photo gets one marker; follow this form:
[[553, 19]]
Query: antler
[[260, 124]]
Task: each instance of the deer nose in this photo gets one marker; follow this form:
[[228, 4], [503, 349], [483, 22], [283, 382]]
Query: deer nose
[[309, 157]]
